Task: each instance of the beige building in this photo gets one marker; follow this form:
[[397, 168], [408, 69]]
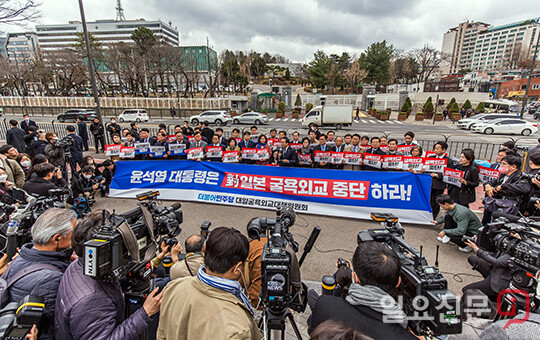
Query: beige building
[[458, 46]]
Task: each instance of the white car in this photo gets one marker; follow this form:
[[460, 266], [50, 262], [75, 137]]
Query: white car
[[467, 123], [506, 126], [133, 115], [218, 117]]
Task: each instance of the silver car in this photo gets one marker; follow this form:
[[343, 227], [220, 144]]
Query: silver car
[[251, 118]]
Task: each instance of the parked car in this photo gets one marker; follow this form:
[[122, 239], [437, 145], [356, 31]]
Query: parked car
[[506, 126], [466, 123], [219, 117], [251, 118], [133, 115], [71, 115]]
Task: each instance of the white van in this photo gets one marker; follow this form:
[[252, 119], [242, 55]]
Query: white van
[[133, 115]]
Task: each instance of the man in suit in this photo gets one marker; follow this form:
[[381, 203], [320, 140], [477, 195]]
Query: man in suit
[[27, 122], [409, 138], [15, 136], [198, 142], [222, 140], [206, 131], [354, 147], [181, 139], [134, 131], [322, 147], [502, 153], [76, 149], [144, 137], [392, 147], [248, 143], [374, 150], [287, 155], [98, 131], [161, 140], [186, 129], [215, 142], [437, 184], [114, 128], [340, 147], [83, 132]]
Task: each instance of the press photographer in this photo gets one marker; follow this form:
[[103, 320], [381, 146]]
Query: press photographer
[[376, 273], [42, 182], [211, 303], [39, 267], [89, 184], [534, 203], [188, 264], [92, 309]]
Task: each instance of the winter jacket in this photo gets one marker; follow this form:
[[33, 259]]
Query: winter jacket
[[38, 146], [40, 186], [467, 192], [83, 131], [503, 330], [25, 125], [500, 274], [56, 155], [180, 268], [191, 309], [15, 137], [88, 309], [14, 172], [512, 187], [43, 283], [77, 149], [97, 129]]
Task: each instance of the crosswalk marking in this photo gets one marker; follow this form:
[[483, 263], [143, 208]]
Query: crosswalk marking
[[356, 121], [363, 121], [278, 119], [399, 122], [270, 119], [293, 119], [389, 121], [286, 119]]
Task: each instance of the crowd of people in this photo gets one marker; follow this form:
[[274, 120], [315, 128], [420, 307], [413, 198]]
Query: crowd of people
[[221, 273]]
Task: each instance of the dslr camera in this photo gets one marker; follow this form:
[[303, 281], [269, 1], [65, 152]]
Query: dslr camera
[[64, 143], [17, 319], [422, 285]]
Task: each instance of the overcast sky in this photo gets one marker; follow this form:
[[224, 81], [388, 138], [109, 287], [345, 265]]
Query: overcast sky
[[297, 28]]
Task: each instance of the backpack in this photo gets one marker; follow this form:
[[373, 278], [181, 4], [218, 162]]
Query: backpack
[[5, 284]]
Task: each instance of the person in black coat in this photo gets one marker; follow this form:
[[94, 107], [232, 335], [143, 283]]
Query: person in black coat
[[215, 143], [15, 136], [186, 129], [287, 156], [368, 296], [374, 150], [247, 143], [113, 128], [437, 184], [83, 132], [42, 182], [108, 174], [322, 147], [206, 132], [27, 123], [76, 149], [29, 139], [98, 131], [134, 131], [465, 194]]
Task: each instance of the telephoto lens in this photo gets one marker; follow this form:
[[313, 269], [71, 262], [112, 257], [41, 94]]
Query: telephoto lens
[[167, 263], [328, 285]]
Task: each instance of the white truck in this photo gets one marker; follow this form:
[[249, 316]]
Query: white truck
[[329, 115]]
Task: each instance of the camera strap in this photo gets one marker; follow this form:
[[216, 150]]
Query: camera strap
[[130, 241]]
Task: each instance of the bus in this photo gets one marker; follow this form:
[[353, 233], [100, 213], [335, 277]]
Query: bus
[[501, 105]]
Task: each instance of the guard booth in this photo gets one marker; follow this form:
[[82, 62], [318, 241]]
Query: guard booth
[[267, 101]]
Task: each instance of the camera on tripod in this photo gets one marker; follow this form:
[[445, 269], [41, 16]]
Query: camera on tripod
[[64, 143], [421, 283], [17, 319]]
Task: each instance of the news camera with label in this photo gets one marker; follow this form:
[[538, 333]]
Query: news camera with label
[[421, 283]]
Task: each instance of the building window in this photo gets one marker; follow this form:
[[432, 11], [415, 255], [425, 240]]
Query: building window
[[536, 86]]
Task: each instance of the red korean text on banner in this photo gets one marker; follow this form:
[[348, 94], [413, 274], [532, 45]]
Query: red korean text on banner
[[436, 165], [392, 162], [405, 149], [323, 156], [329, 188], [295, 146], [487, 174], [274, 142], [452, 176], [112, 150], [263, 154], [230, 156], [304, 159], [195, 153], [249, 153], [372, 160], [127, 152], [414, 163], [214, 151], [352, 158]]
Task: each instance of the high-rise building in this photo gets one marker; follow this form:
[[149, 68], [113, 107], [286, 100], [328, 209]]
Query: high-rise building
[[56, 37], [481, 47], [21, 47]]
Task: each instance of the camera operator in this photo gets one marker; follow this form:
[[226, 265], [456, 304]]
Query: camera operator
[[458, 221], [211, 303], [49, 254], [191, 262], [55, 154], [88, 309], [76, 149], [88, 184], [494, 268], [368, 306], [510, 187], [42, 182]]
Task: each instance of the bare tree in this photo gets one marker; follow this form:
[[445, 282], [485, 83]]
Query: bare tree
[[19, 11], [513, 56], [428, 59], [354, 75]]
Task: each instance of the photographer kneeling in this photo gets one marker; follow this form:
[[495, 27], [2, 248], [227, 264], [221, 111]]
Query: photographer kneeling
[[42, 182], [45, 260], [88, 309], [88, 184], [191, 262], [211, 305], [368, 306]]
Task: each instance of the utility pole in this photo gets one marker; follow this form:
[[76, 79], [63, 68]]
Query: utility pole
[[22, 83], [531, 71], [90, 63], [210, 82]]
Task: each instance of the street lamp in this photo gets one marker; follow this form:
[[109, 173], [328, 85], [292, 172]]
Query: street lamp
[[531, 71], [14, 54], [90, 62]]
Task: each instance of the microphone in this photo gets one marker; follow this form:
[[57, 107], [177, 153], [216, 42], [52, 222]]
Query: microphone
[[176, 206]]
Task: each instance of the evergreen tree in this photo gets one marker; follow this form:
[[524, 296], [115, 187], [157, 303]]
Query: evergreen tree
[[405, 107], [454, 108], [480, 107], [467, 105], [298, 101]]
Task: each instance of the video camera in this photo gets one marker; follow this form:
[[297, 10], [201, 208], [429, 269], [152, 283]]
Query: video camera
[[17, 319], [421, 284], [128, 241], [64, 143]]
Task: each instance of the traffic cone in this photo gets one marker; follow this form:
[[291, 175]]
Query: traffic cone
[[287, 116]]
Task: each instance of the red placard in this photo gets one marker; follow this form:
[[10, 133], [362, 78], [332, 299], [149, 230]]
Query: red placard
[[171, 138], [414, 163], [405, 149], [249, 153], [393, 162], [113, 149], [303, 159], [127, 152], [337, 157], [323, 156], [263, 154], [352, 158], [195, 153], [487, 174], [230, 156], [435, 164], [452, 176], [373, 160], [214, 151], [295, 146], [432, 154], [190, 138]]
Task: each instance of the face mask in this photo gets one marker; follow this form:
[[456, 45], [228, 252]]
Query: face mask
[[26, 163], [3, 178], [87, 176], [504, 170], [112, 121], [27, 119]]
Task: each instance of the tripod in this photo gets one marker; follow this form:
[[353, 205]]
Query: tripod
[[274, 323]]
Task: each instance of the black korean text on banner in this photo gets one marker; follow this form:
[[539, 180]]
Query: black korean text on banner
[[127, 152], [112, 150], [393, 162], [374, 161], [195, 153], [230, 156], [352, 158], [249, 153], [405, 149], [177, 149], [435, 164], [323, 156], [157, 151], [487, 174], [452, 176], [142, 148], [214, 151], [303, 159], [263, 154], [337, 157], [413, 163]]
